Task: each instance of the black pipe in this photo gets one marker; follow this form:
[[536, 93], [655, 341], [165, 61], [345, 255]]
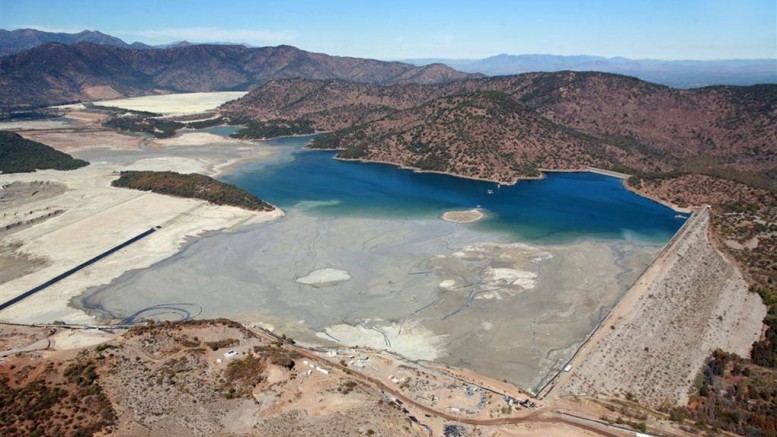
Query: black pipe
[[58, 278]]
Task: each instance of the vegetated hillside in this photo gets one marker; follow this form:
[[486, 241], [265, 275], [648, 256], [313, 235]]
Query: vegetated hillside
[[18, 40], [193, 185], [716, 126], [158, 127], [55, 73], [64, 399], [729, 131], [486, 134], [332, 104], [20, 155], [735, 396], [273, 129]]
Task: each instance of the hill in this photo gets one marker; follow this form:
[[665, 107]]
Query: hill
[[613, 121], [330, 104], [678, 74], [486, 134], [56, 73], [20, 155], [705, 129], [193, 185]]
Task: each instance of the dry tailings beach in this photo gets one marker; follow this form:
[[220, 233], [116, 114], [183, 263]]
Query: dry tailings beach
[[425, 288]]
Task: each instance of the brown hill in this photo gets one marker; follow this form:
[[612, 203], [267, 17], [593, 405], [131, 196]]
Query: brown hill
[[625, 123], [329, 104], [715, 125], [54, 73], [485, 134]]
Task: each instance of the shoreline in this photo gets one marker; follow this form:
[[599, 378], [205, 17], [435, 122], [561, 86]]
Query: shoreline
[[265, 139], [676, 208], [97, 217], [623, 176], [418, 170]]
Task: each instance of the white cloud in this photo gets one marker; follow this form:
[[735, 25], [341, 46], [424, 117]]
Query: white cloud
[[210, 34]]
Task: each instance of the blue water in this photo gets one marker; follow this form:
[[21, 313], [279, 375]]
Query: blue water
[[560, 208]]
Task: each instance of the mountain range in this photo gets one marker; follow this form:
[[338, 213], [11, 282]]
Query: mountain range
[[503, 127], [432, 116], [677, 74], [19, 40], [56, 73]]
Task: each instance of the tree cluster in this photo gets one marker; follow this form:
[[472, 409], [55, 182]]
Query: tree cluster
[[193, 185], [20, 155]]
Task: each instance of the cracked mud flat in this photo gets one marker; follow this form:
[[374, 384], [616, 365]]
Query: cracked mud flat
[[425, 288]]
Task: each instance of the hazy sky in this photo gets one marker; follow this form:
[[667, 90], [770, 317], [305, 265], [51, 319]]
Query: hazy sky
[[664, 29]]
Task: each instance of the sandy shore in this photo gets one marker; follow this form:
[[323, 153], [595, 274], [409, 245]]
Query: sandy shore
[[96, 218], [88, 216], [75, 141]]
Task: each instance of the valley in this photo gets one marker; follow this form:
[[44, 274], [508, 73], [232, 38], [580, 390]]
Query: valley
[[220, 239]]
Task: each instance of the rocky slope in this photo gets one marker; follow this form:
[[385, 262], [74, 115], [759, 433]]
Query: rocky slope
[[54, 73], [553, 120]]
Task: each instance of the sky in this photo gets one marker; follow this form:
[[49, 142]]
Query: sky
[[642, 29]]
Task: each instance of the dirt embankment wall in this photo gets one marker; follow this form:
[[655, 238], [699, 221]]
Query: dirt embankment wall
[[689, 302]]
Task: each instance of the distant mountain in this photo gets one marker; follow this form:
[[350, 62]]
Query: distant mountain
[[183, 43], [501, 127], [19, 40], [677, 74], [55, 73], [16, 41]]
